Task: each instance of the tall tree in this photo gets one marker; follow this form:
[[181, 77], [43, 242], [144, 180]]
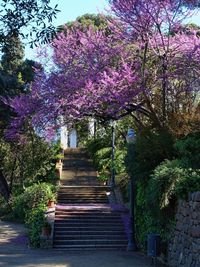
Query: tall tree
[[12, 54], [97, 22], [29, 18], [31, 21], [139, 68]]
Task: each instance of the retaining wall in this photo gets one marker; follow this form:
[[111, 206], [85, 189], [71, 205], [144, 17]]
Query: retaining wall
[[184, 246]]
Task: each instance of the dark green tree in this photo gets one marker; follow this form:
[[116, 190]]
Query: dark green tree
[[12, 54], [30, 19], [88, 20]]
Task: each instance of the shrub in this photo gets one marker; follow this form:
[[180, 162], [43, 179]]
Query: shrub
[[93, 145], [32, 197], [188, 149], [163, 183], [170, 180], [189, 182], [35, 220], [5, 208]]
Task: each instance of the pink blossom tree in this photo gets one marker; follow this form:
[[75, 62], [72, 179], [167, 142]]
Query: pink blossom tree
[[142, 67], [91, 74], [169, 61]]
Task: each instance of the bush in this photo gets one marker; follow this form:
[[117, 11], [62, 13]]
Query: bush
[[163, 183], [189, 182], [188, 149], [150, 149], [5, 208], [35, 220], [170, 180], [93, 145], [33, 196]]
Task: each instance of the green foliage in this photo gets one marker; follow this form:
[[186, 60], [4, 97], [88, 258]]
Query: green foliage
[[188, 150], [35, 220], [163, 182], [27, 70], [5, 208], [102, 157], [150, 218], [169, 182], [31, 19], [98, 22], [13, 54], [30, 208], [33, 196], [101, 154], [93, 145], [31, 162], [151, 149]]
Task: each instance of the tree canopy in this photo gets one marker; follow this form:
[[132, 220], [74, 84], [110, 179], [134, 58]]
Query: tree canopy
[[141, 67], [30, 19]]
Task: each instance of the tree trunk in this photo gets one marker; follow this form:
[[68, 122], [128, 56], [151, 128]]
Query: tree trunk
[[4, 188]]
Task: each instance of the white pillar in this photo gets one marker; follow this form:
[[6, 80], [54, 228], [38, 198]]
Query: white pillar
[[73, 138], [64, 137], [91, 126]]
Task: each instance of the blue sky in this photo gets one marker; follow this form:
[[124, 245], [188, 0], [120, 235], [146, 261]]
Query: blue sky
[[71, 9]]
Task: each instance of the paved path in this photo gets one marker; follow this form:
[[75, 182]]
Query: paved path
[[14, 252]]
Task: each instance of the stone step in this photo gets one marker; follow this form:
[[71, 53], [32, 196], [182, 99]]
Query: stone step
[[66, 196], [83, 218], [77, 166], [89, 232], [68, 229], [60, 224], [88, 220], [79, 187], [89, 216], [99, 225], [62, 194], [91, 242], [96, 211], [60, 237], [82, 202], [82, 193], [90, 247], [85, 228], [82, 199]]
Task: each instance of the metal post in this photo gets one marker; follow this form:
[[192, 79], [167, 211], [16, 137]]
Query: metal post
[[132, 243], [95, 129], [112, 183]]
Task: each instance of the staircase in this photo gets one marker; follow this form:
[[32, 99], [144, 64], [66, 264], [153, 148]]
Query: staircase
[[84, 218]]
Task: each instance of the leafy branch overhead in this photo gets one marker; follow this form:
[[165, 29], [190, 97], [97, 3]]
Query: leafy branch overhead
[[136, 67], [30, 19]]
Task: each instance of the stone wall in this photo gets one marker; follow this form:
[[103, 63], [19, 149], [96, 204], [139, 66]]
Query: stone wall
[[184, 246]]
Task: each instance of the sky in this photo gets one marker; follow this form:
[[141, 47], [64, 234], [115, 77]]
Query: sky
[[71, 9]]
